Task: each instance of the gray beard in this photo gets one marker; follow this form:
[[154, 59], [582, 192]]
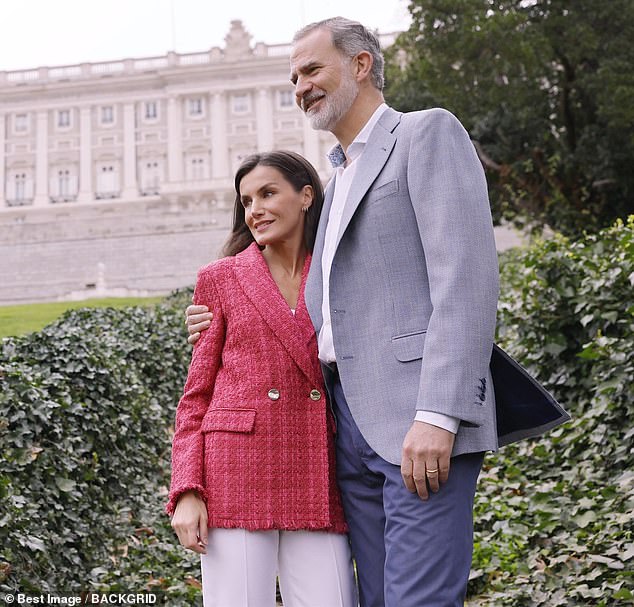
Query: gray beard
[[335, 106]]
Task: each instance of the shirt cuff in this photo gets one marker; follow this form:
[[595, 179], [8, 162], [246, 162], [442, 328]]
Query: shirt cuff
[[446, 422]]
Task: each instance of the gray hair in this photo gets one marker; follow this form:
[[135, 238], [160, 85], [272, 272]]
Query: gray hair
[[351, 38]]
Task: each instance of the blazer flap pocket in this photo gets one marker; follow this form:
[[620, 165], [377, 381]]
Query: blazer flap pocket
[[381, 191], [409, 346], [229, 420]]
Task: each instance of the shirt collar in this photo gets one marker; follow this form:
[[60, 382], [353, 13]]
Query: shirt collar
[[337, 156]]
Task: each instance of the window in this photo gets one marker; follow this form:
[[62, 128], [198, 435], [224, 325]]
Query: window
[[107, 181], [20, 186], [285, 99], [195, 107], [241, 104], [21, 123], [150, 178], [198, 168], [107, 114], [63, 184], [63, 119], [151, 110]]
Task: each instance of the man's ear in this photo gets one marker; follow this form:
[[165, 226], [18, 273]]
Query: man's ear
[[363, 65]]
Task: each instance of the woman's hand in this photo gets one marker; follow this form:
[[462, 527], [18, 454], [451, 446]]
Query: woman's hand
[[197, 319], [190, 522]]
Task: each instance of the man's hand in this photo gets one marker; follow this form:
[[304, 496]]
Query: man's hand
[[190, 522], [197, 319], [425, 459]]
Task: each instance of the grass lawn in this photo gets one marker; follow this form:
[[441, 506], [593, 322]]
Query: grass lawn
[[26, 318]]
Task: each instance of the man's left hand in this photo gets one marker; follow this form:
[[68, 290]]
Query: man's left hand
[[425, 459]]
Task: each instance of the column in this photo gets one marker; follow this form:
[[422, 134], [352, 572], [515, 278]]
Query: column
[[219, 146], [174, 140], [311, 144], [3, 187], [41, 159], [85, 193], [130, 189], [264, 120]]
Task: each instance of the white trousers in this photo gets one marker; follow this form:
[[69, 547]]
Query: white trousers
[[314, 568]]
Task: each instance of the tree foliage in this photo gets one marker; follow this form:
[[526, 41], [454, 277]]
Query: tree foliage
[[546, 89]]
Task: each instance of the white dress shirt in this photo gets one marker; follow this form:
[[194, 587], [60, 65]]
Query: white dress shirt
[[343, 176]]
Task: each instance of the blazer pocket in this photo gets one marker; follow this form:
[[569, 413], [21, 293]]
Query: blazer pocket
[[229, 420], [409, 346], [382, 191]]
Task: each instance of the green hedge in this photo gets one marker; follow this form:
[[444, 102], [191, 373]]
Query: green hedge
[[86, 407], [554, 516], [87, 404]]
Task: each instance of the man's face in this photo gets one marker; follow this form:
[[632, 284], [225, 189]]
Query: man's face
[[325, 87]]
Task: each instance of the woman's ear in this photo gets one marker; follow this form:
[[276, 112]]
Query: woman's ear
[[308, 196]]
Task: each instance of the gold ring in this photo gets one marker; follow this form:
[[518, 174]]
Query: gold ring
[[432, 471]]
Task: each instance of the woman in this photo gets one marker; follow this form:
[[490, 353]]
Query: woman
[[253, 481]]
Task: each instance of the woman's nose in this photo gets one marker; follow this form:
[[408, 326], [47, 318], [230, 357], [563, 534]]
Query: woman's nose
[[256, 208]]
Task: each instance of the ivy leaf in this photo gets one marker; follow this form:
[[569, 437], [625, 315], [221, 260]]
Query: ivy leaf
[[65, 484]]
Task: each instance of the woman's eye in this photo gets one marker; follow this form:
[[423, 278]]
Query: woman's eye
[[246, 203], [268, 194]]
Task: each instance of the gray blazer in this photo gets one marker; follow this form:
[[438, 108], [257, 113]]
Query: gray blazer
[[414, 284]]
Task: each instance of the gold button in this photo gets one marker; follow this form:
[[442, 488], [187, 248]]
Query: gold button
[[274, 394], [315, 394]]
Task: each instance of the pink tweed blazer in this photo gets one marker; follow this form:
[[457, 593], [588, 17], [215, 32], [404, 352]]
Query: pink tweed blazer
[[254, 433]]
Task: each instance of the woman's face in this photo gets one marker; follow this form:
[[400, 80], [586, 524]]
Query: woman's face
[[272, 207]]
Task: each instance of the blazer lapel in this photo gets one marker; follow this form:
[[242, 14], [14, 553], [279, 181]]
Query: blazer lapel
[[377, 151], [314, 284], [258, 285]]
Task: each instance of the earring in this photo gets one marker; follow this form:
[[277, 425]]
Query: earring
[[304, 209]]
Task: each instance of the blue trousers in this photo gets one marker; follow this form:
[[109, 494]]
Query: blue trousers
[[409, 553]]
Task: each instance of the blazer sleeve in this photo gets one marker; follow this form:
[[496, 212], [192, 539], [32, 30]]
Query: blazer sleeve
[[449, 195], [187, 443]]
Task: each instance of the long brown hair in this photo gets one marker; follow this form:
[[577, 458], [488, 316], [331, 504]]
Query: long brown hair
[[299, 173]]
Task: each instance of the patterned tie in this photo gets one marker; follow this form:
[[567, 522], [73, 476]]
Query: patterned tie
[[336, 156]]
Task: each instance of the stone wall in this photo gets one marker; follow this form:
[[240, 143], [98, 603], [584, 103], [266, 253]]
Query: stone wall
[[115, 249], [108, 249]]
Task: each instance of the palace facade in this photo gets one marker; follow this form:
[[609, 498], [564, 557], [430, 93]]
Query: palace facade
[[116, 177], [170, 128]]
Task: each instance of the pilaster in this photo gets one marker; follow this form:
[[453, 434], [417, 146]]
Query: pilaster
[[2, 159], [219, 145], [85, 193], [174, 140], [41, 159], [130, 188], [264, 118]]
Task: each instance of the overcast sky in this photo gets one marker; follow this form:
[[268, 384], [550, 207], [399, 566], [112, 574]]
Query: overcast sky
[[36, 33]]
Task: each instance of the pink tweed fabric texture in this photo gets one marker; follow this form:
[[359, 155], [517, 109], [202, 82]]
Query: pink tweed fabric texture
[[252, 435]]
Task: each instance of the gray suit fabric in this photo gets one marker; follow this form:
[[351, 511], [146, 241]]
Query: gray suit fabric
[[414, 284]]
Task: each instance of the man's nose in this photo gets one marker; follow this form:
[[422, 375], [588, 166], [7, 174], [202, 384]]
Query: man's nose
[[302, 87]]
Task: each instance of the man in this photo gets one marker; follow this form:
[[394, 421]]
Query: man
[[403, 293]]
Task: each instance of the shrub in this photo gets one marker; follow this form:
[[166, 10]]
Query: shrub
[[86, 406], [554, 515]]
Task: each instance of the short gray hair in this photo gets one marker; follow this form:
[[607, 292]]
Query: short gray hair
[[351, 38]]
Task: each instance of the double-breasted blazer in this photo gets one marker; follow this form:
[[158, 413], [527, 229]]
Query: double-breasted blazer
[[414, 287], [254, 434]]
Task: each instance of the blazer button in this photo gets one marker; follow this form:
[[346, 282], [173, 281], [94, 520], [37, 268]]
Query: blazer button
[[274, 394], [315, 394]]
